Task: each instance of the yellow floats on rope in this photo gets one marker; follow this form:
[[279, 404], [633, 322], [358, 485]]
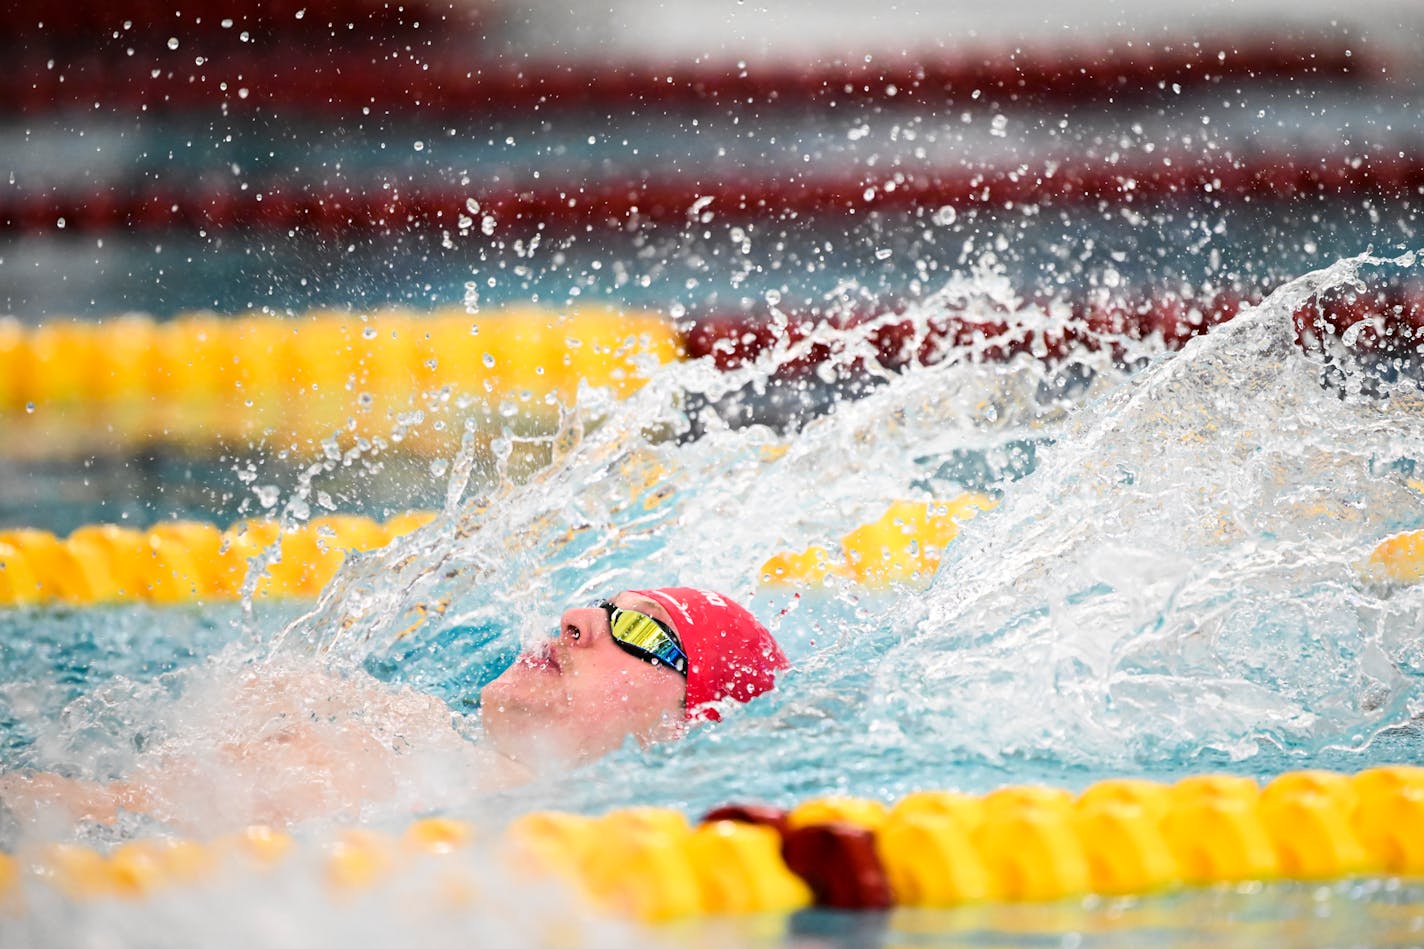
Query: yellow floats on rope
[[903, 546], [930, 849], [1399, 559], [187, 561], [205, 379], [183, 561]]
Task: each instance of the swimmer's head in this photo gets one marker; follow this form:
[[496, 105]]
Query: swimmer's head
[[584, 692], [730, 654]]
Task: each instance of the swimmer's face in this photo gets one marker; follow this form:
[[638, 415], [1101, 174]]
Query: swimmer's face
[[581, 695]]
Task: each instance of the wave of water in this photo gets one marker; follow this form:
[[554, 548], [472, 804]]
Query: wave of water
[[1169, 582], [1181, 573], [1175, 582]]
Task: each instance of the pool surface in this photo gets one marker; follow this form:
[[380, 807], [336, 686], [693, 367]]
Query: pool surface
[[1171, 574]]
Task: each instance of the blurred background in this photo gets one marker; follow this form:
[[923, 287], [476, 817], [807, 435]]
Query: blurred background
[[233, 230]]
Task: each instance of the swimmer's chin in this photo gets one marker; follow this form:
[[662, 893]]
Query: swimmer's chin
[[540, 756], [548, 754]]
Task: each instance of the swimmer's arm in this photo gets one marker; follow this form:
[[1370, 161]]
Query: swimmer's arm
[[31, 796]]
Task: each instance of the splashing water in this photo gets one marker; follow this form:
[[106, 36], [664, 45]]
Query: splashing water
[[1174, 583], [1169, 582], [1179, 577]]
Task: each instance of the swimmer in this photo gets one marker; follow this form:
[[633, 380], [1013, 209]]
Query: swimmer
[[645, 664]]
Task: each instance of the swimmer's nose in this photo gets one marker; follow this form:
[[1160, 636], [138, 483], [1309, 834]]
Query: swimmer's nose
[[582, 626]]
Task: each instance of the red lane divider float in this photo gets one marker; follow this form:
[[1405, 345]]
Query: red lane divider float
[[569, 205], [1388, 323], [735, 339], [345, 82]]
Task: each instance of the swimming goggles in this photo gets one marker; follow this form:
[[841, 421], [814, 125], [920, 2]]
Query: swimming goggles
[[645, 637]]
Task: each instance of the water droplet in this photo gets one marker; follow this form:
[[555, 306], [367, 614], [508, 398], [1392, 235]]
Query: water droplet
[[488, 360], [419, 146], [438, 467], [369, 332], [267, 494], [30, 408], [883, 253], [172, 42], [946, 216]]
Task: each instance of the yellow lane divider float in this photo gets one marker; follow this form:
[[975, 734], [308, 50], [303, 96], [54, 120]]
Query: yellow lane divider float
[[189, 561], [930, 849], [1399, 559], [903, 546], [183, 561], [203, 379]]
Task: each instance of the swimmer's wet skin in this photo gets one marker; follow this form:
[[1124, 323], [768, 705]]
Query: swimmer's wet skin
[[645, 663], [585, 691]]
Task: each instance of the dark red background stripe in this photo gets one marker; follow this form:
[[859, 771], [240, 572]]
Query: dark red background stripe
[[1262, 177], [343, 82]]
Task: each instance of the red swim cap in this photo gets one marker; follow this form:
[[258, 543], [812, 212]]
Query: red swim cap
[[729, 653]]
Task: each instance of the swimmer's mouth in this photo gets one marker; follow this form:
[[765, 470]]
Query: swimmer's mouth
[[542, 660]]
